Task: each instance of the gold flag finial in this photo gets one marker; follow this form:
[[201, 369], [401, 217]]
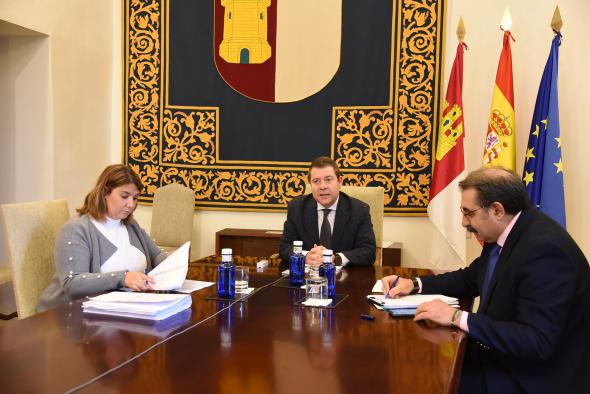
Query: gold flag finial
[[556, 21], [461, 30]]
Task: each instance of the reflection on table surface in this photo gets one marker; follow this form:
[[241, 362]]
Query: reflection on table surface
[[264, 344]]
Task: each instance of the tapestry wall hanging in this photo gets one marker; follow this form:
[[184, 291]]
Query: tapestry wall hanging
[[234, 98]]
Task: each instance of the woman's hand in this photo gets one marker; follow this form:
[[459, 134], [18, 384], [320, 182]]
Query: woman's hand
[[138, 281]]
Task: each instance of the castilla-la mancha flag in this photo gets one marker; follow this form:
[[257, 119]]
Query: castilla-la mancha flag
[[500, 141], [449, 169]]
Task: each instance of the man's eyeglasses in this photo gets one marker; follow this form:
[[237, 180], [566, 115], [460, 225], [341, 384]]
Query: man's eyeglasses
[[469, 213]]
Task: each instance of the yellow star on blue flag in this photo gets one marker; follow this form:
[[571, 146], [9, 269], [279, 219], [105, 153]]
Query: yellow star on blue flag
[[545, 188]]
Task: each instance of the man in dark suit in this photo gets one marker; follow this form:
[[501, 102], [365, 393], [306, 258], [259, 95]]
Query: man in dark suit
[[329, 219], [531, 332]]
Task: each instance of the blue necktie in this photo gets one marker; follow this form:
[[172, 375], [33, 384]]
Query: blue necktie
[[492, 261]]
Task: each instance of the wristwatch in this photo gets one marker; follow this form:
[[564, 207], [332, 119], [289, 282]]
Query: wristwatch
[[416, 288], [337, 259]]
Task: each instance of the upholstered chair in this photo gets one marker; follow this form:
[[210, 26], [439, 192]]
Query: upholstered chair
[[374, 197], [5, 277], [172, 216], [30, 230]]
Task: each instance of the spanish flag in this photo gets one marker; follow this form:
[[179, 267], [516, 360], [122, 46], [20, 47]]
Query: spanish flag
[[500, 140]]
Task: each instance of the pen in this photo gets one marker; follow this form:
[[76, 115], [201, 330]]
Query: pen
[[367, 317], [390, 287]]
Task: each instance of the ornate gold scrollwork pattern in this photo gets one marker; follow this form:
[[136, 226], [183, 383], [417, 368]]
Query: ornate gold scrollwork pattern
[[364, 138], [242, 186], [143, 81], [189, 137], [388, 147], [415, 110]]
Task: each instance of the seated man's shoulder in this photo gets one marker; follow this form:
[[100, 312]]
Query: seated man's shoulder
[[300, 201]]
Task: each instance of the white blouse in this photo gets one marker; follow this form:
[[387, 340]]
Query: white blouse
[[127, 257]]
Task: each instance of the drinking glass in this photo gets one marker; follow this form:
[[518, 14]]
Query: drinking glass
[[242, 277], [316, 287]]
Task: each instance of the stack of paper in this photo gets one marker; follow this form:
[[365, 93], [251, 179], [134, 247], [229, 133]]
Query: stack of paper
[[407, 305], [147, 306]]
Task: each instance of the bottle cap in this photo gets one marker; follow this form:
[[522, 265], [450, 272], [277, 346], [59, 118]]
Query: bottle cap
[[328, 252], [226, 251], [297, 243]]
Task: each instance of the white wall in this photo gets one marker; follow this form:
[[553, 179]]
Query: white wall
[[57, 106]]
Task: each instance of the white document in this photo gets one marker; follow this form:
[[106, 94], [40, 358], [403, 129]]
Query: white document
[[148, 306], [378, 288], [171, 273], [188, 286], [410, 301]]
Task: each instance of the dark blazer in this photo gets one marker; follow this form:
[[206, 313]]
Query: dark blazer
[[533, 332], [352, 234]]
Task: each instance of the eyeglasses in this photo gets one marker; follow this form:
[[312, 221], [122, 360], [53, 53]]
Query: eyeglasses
[[469, 213]]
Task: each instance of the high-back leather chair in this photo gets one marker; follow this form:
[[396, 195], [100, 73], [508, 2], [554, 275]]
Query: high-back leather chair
[[172, 216], [30, 230], [375, 198]]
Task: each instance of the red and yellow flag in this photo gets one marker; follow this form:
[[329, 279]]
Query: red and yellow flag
[[500, 141], [449, 169]]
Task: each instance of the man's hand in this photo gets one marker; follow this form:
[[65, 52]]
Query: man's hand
[[315, 255], [437, 311], [395, 286]]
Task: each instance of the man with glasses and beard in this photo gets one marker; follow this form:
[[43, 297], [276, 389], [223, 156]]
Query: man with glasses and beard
[[531, 332]]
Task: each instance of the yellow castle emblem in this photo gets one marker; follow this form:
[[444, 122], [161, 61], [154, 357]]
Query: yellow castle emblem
[[450, 131], [245, 27]]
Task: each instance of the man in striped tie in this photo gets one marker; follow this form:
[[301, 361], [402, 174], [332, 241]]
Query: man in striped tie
[[530, 332]]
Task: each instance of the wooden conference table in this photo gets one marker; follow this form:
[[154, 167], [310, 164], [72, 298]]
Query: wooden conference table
[[262, 345]]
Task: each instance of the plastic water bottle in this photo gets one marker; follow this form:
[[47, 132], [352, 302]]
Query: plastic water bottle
[[297, 264], [226, 275], [328, 271]]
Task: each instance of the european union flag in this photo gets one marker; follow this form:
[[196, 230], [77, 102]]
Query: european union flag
[[543, 168]]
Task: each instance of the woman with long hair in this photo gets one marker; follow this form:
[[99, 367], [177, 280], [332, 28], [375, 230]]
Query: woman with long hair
[[103, 248]]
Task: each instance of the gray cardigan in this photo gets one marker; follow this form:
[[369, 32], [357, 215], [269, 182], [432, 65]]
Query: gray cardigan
[[80, 251]]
